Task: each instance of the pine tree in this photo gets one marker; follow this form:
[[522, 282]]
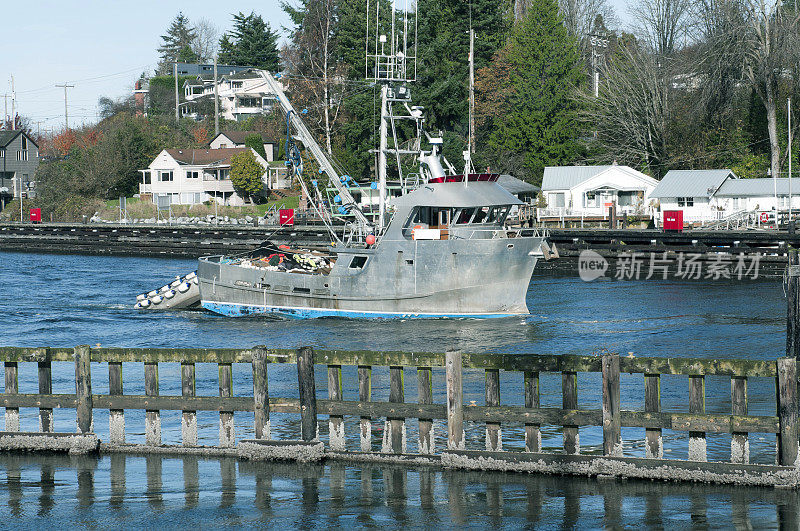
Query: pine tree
[[251, 42], [536, 117], [179, 37]]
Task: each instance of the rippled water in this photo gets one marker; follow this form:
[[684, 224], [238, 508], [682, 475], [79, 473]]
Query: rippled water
[[121, 492], [52, 300]]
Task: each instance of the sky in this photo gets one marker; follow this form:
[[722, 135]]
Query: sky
[[101, 47]]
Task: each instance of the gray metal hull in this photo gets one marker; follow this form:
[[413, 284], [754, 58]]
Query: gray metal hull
[[477, 278]]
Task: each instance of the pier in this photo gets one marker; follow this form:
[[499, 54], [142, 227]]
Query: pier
[[345, 422]]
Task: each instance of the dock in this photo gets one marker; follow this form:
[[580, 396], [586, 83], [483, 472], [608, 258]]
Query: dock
[[439, 412]]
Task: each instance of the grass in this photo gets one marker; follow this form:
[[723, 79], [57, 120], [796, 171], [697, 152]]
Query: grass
[[139, 209]]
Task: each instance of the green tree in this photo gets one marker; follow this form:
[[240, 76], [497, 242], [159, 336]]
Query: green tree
[[256, 143], [444, 55], [535, 122], [251, 42], [180, 35], [246, 175]]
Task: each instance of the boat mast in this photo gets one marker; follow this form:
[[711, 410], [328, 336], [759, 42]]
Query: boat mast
[[382, 160], [471, 134]]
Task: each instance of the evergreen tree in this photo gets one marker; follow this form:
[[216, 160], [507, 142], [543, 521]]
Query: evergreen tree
[[443, 87], [179, 37], [536, 118], [251, 42]]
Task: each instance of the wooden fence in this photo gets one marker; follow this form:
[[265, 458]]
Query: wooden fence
[[569, 417]]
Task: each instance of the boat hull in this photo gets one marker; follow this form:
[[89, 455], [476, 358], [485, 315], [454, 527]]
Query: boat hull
[[417, 279]]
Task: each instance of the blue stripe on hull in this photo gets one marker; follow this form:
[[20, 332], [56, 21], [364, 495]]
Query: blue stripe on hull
[[238, 310]]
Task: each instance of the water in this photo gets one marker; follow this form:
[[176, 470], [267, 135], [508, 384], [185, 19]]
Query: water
[[123, 492], [51, 300]]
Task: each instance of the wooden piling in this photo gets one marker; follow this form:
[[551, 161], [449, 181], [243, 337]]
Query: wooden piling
[[533, 435], [365, 395], [494, 441], [787, 411], [612, 422], [308, 393], [697, 404], [395, 435], [425, 396], [45, 388], [569, 401], [654, 442], [740, 446], [12, 388], [455, 401], [793, 305], [116, 417], [335, 422], [227, 433], [83, 387], [261, 393], [188, 416], [152, 423]]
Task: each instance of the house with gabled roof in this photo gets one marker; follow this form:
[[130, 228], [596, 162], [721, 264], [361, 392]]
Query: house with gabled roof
[[19, 159], [227, 139], [592, 190], [192, 176], [693, 192]]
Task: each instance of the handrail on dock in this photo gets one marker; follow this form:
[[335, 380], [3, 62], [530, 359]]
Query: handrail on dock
[[455, 414]]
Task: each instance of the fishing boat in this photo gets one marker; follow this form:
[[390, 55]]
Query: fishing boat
[[440, 249]]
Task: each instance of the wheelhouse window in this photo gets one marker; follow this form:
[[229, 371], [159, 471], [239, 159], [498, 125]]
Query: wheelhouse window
[[358, 262]]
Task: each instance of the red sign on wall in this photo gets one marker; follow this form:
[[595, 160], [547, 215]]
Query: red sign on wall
[[286, 216], [36, 215]]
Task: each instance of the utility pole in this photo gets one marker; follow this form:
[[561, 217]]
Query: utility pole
[[789, 117], [175, 71], [216, 99], [13, 106], [66, 113]]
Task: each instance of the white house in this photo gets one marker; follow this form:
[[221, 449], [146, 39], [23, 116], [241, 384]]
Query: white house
[[591, 190], [710, 195], [241, 95], [192, 176], [235, 139]]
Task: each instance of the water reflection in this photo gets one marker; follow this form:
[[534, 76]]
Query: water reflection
[[190, 491]]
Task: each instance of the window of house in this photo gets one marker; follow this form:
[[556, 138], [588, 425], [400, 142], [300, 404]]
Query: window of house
[[783, 201], [165, 176], [236, 84], [591, 199], [24, 142], [557, 200], [192, 174], [223, 145], [2, 153], [685, 201], [224, 175], [22, 154]]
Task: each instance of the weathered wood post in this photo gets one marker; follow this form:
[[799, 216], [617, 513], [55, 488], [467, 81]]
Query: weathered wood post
[[494, 438], [654, 443], [261, 393], [188, 416], [335, 422], [46, 388], [425, 396], [740, 446], [533, 435], [793, 306], [12, 388], [227, 434], [569, 401], [395, 434], [308, 393], [455, 401], [116, 417], [152, 420], [83, 387], [365, 395], [787, 411], [612, 424], [697, 404]]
